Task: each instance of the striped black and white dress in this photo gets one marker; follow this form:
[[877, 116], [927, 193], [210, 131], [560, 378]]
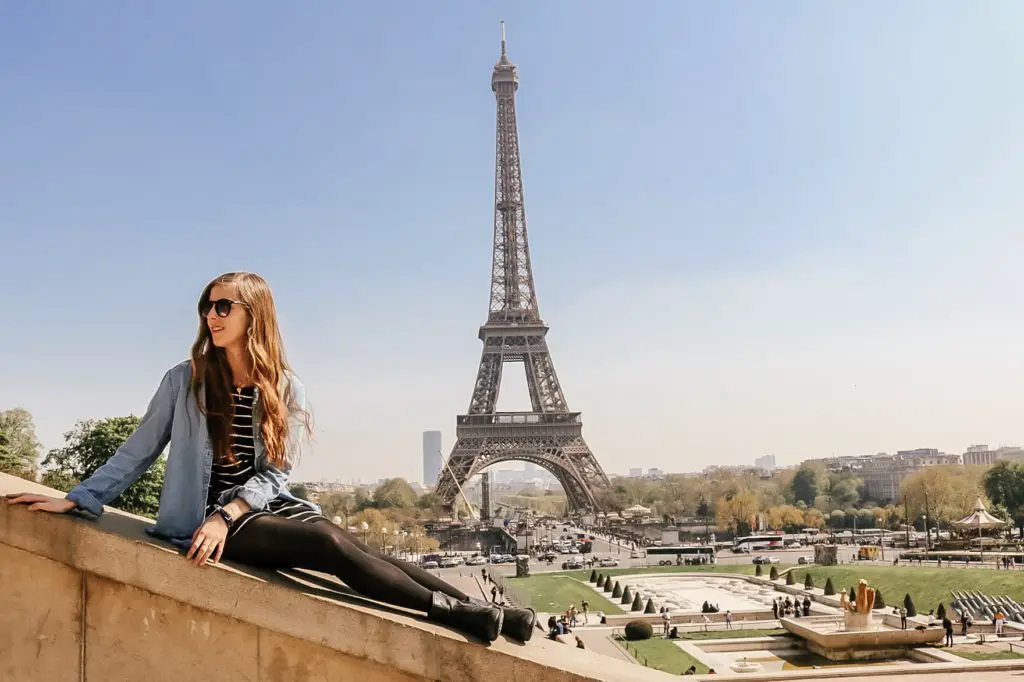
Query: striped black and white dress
[[227, 475]]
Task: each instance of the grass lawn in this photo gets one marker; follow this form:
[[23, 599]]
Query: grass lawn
[[974, 654], [732, 634], [553, 592], [928, 587], [661, 654]]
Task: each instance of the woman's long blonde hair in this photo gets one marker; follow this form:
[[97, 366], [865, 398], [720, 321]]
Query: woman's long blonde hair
[[211, 376]]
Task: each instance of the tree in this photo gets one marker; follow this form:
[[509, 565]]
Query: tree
[[814, 518], [738, 510], [88, 446], [299, 490], [394, 492], [19, 448], [952, 492], [1004, 485], [805, 485], [829, 587]]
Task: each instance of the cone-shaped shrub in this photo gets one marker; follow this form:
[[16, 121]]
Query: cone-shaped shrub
[[879, 601], [808, 582], [617, 591], [853, 595], [638, 603], [627, 596], [650, 607], [940, 612], [790, 578], [830, 589], [908, 604], [608, 585], [600, 580], [593, 575], [774, 573], [758, 571]]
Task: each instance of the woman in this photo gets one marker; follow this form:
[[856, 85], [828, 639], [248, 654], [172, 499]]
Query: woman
[[235, 419]]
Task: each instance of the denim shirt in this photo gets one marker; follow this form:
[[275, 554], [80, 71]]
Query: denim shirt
[[174, 417]]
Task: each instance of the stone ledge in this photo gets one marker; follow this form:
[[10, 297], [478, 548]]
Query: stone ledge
[[116, 550]]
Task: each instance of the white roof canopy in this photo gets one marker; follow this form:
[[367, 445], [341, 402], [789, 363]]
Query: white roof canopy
[[980, 518]]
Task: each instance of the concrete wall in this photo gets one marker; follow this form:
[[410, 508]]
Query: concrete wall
[[91, 601]]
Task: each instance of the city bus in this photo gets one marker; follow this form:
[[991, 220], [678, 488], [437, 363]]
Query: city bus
[[668, 554], [751, 543]]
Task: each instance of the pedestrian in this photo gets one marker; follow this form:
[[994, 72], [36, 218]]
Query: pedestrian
[[666, 622], [728, 620], [903, 618], [1000, 619], [775, 609], [586, 608], [947, 625]]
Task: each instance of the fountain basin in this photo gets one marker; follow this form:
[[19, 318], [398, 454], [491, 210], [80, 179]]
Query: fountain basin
[[746, 667], [833, 638]]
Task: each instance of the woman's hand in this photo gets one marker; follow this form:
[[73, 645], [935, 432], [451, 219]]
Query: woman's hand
[[208, 541], [54, 505]]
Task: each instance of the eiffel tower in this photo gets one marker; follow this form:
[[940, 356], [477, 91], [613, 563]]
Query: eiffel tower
[[549, 435]]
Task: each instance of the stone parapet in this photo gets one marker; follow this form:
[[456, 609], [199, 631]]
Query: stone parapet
[[94, 601]]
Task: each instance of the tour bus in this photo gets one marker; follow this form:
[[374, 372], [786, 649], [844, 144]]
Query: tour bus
[[751, 543], [667, 555]]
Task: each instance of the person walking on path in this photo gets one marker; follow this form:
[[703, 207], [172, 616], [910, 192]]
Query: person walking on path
[[903, 618], [1000, 619], [236, 422], [728, 620], [947, 625]]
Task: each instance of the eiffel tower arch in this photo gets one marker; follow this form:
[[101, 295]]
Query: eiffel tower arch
[[549, 435]]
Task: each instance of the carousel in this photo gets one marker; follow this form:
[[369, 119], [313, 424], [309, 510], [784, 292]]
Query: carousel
[[980, 521]]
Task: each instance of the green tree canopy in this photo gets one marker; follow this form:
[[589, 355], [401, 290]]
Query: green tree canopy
[[88, 446], [19, 448], [805, 485], [1004, 485], [394, 492]]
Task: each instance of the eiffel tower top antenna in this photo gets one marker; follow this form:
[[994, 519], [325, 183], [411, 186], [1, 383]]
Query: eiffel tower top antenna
[[504, 55]]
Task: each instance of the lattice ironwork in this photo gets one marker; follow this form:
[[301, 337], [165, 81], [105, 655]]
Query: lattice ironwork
[[549, 436]]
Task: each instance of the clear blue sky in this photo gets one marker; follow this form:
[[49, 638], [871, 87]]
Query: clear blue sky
[[789, 228]]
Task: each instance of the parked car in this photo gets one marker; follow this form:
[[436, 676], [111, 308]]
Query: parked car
[[635, 555], [572, 563], [608, 562], [805, 560]]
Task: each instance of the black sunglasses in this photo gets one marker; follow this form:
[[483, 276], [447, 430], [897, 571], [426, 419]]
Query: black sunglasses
[[221, 305]]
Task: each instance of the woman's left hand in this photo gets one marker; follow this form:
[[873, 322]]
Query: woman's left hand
[[208, 541]]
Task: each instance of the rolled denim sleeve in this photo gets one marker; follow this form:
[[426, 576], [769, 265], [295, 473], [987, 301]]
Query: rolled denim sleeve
[[133, 458], [266, 485]]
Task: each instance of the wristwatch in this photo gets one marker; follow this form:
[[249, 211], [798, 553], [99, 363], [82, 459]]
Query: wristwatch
[[224, 514]]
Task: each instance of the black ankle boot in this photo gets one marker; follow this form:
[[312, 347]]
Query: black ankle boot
[[519, 623], [478, 619], [516, 623]]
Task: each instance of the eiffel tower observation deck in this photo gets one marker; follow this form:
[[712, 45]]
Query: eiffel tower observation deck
[[549, 435]]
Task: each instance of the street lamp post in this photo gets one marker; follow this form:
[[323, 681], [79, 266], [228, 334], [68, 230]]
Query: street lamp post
[[366, 530]]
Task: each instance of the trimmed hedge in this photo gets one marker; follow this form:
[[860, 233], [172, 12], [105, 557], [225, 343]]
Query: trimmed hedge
[[808, 582], [830, 589], [774, 573], [638, 603], [650, 607], [593, 575], [638, 629], [617, 591]]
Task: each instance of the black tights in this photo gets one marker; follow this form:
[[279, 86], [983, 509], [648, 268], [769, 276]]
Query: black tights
[[274, 542]]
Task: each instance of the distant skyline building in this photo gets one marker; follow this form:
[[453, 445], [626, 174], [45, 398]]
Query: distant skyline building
[[431, 457], [636, 473], [767, 463]]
